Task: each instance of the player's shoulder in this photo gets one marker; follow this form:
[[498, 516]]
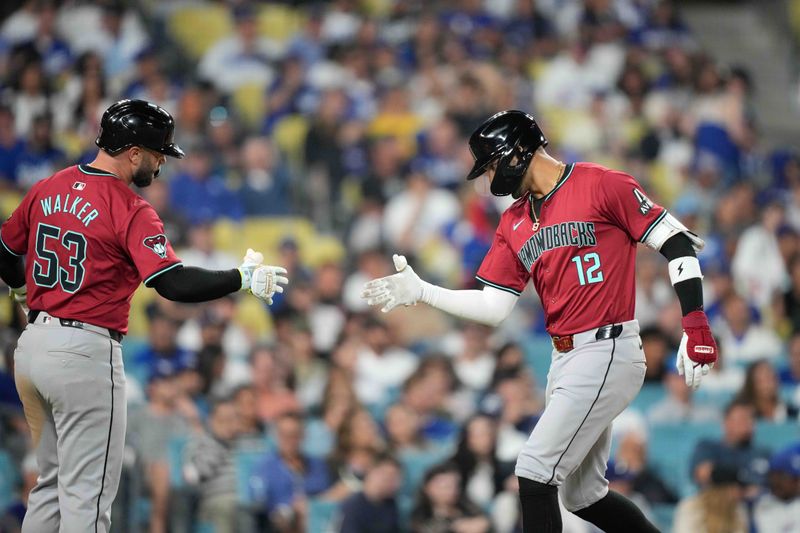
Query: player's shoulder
[[598, 173]]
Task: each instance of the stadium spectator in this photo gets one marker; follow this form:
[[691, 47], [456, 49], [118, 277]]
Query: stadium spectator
[[252, 431], [442, 506], [761, 392], [790, 374], [421, 394], [717, 508], [743, 340], [30, 97], [480, 472], [658, 353], [679, 405], [41, 157], [209, 465], [11, 146], [243, 58], [358, 442], [735, 450], [290, 477], [271, 382], [381, 364], [266, 181], [403, 431], [374, 509], [777, 509], [631, 465]]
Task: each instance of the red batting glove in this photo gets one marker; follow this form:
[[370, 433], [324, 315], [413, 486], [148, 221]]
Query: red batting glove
[[698, 351]]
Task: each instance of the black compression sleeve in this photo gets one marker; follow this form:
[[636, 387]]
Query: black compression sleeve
[[690, 291], [12, 271], [192, 284]]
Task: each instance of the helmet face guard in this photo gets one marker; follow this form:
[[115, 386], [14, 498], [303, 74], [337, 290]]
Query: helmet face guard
[[510, 139], [137, 123]]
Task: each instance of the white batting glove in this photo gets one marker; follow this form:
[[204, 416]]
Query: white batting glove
[[20, 295], [251, 261], [266, 281], [403, 288], [692, 372]]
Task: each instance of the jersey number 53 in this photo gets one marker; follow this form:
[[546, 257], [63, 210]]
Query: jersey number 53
[[46, 268]]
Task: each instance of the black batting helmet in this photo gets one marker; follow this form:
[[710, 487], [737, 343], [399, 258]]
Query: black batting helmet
[[504, 136], [137, 123]]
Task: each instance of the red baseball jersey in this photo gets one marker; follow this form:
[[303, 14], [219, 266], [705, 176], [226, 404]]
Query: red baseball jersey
[[89, 241], [582, 257]]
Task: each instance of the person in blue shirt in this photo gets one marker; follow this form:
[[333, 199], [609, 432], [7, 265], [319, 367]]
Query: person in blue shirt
[[200, 195], [10, 148], [40, 157], [374, 509], [289, 476]]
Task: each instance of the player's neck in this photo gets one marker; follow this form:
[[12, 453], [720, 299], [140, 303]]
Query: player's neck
[[105, 162], [544, 173]]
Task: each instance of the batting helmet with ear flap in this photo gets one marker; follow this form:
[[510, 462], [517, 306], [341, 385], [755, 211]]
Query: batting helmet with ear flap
[[509, 138], [137, 123]]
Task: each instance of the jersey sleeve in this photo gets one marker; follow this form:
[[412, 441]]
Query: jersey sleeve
[[147, 245], [625, 204], [501, 268], [14, 232]]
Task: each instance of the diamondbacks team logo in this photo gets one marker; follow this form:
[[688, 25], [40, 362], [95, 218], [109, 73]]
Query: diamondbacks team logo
[[645, 205], [157, 243]]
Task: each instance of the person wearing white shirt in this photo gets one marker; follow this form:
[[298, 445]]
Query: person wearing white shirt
[[380, 366]]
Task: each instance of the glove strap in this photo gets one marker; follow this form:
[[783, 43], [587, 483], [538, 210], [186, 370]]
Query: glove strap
[[247, 278], [695, 319]]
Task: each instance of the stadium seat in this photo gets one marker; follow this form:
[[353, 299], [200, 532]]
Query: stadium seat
[[175, 457], [538, 352], [671, 447], [663, 514], [290, 137], [416, 464], [323, 516], [264, 234], [196, 27], [250, 489], [776, 436], [278, 22], [9, 477], [649, 395], [249, 100]]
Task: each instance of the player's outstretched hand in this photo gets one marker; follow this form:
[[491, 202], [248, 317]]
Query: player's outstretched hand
[[403, 288], [262, 281], [20, 295], [698, 350]]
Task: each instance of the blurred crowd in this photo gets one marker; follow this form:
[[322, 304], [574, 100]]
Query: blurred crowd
[[351, 118]]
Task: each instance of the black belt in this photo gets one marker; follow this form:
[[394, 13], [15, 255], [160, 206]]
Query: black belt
[[70, 323], [566, 343]]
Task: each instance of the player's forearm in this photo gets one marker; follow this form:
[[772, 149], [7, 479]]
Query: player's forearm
[[685, 272], [489, 306], [192, 284], [12, 270]]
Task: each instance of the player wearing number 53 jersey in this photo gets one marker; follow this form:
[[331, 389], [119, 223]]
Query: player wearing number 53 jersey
[[88, 241], [573, 232]]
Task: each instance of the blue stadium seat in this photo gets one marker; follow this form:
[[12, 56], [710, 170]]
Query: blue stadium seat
[[663, 514], [774, 436], [250, 489], [323, 516], [671, 447], [416, 464], [538, 353], [9, 476], [649, 395]]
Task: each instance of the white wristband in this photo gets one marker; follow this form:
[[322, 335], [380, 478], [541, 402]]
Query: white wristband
[[684, 268]]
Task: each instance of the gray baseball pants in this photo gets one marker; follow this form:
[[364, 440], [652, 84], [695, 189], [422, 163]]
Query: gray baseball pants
[[72, 385], [587, 388]]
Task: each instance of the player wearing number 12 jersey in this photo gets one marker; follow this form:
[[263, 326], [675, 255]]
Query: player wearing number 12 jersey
[[573, 232], [88, 242]]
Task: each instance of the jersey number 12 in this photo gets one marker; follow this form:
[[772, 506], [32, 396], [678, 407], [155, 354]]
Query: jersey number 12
[[46, 269], [593, 274]]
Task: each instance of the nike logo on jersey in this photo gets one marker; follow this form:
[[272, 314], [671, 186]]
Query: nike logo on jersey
[[517, 224]]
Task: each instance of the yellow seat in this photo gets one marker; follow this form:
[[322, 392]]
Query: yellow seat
[[794, 14], [197, 27], [263, 234], [249, 100], [278, 22], [290, 138], [9, 200]]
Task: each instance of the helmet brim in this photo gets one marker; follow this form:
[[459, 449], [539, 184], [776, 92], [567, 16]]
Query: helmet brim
[[173, 150]]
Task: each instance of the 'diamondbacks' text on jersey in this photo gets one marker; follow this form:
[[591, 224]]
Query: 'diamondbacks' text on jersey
[[582, 258], [89, 241]]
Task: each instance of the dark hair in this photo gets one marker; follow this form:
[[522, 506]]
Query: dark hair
[[423, 507], [747, 394], [466, 461], [736, 402]]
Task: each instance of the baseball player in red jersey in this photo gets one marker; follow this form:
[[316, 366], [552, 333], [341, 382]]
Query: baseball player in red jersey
[[573, 231], [88, 241]]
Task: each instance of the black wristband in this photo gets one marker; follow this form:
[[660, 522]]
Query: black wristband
[[690, 291]]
